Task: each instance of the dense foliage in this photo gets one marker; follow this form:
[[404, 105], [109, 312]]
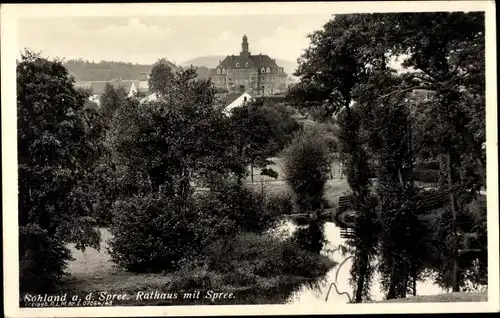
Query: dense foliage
[[111, 99], [160, 76], [56, 150], [306, 168], [432, 108]]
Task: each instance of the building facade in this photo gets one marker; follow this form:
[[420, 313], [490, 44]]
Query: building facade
[[257, 75]]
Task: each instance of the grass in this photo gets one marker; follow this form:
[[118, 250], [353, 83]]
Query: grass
[[334, 188], [92, 270]]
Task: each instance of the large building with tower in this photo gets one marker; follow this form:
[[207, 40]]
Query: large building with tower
[[256, 74]]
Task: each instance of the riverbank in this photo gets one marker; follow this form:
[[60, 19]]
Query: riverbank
[[260, 269]]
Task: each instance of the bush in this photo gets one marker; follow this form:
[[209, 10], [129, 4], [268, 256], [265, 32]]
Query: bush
[[155, 232], [42, 259], [251, 255], [249, 209], [430, 164], [279, 203], [472, 266]]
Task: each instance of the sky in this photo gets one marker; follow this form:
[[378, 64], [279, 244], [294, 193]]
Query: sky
[[177, 38]]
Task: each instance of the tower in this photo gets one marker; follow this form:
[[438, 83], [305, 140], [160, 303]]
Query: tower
[[244, 46]]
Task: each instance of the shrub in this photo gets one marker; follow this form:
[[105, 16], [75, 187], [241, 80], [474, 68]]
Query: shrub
[[279, 203], [472, 266], [249, 254], [247, 208], [155, 232], [42, 259], [188, 281]]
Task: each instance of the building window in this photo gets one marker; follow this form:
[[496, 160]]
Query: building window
[[218, 71], [268, 70], [223, 71], [246, 64], [263, 70], [237, 64]]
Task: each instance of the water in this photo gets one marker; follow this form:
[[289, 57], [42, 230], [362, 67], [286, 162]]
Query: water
[[317, 294]]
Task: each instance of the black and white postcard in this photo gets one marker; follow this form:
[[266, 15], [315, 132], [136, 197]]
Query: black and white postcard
[[249, 158]]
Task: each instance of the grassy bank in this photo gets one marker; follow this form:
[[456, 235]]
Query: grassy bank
[[256, 269]]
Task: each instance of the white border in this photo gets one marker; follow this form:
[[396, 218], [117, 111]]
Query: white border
[[11, 13]]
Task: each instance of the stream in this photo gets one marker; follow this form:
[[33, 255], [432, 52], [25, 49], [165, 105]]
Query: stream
[[317, 294]]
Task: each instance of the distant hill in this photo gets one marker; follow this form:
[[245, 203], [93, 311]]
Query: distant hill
[[213, 60], [84, 70], [105, 70]]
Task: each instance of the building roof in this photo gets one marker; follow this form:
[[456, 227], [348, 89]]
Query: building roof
[[237, 102], [149, 98], [245, 60], [253, 61], [231, 97], [97, 87]]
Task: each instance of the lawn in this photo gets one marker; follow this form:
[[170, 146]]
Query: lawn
[[93, 270], [278, 167], [334, 188]]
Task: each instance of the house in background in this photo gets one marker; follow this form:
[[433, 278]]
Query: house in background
[[235, 100], [97, 87], [149, 98]]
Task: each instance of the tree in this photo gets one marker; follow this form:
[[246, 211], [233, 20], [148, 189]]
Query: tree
[[341, 56], [306, 168], [306, 163], [348, 61], [53, 152], [448, 53], [111, 99], [287, 124], [256, 130], [170, 142], [159, 79]]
